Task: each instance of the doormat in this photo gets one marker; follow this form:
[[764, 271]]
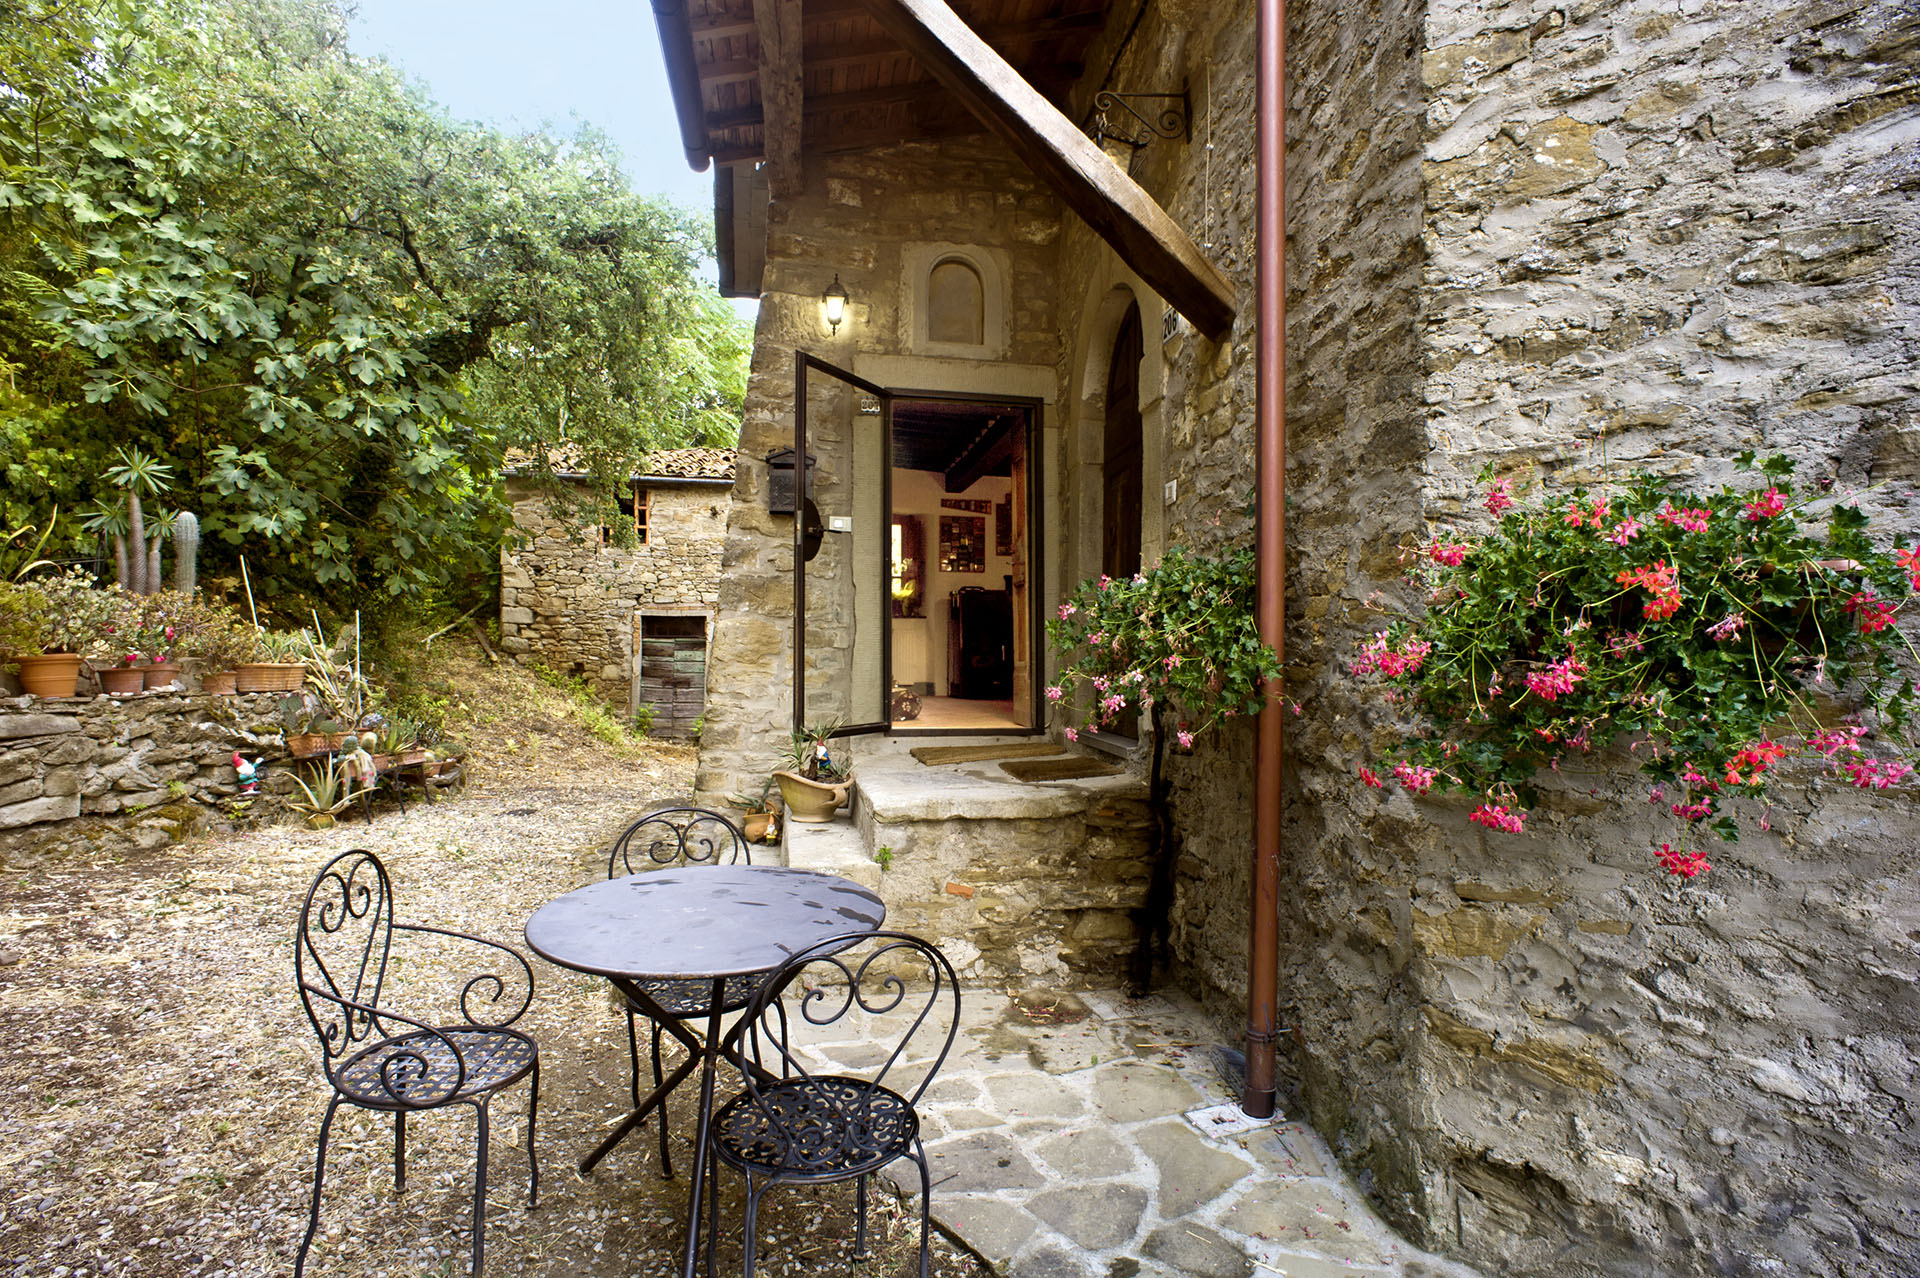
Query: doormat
[[974, 754], [1067, 769]]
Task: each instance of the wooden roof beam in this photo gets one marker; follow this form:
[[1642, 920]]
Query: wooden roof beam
[[1122, 214], [781, 94]]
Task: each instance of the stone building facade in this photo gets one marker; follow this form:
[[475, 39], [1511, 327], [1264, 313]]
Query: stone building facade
[[632, 620], [1567, 240]]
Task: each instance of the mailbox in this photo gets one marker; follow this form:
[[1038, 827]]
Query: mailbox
[[780, 480]]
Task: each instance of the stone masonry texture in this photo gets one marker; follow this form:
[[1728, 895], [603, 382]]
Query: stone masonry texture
[[568, 602], [96, 778], [1565, 241]]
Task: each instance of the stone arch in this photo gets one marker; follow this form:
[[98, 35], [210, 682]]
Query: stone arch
[[1104, 313], [956, 303]]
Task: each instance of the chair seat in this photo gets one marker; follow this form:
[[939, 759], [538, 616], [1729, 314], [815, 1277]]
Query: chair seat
[[828, 1128], [691, 997], [494, 1058]]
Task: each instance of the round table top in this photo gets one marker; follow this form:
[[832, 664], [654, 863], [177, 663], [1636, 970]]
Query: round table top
[[699, 921]]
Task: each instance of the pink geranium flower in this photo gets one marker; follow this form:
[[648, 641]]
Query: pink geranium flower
[[1681, 863], [1500, 497], [1495, 816], [1770, 503]]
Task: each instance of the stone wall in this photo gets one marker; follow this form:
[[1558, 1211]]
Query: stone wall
[[569, 604], [1650, 235], [867, 217], [100, 777]]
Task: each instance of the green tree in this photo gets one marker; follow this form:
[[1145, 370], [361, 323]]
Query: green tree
[[331, 309]]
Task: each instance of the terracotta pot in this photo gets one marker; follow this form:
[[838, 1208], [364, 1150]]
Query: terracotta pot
[[810, 801], [223, 684], [51, 674], [121, 681], [756, 825], [407, 758], [161, 673], [270, 676]]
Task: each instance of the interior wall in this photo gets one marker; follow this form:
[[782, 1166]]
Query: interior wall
[[920, 643]]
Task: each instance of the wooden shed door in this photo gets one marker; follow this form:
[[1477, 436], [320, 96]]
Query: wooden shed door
[[672, 660]]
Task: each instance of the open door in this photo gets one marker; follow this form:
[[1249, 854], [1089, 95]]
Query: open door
[[842, 605]]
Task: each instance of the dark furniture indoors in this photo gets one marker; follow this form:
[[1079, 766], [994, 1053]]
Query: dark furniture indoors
[[679, 836], [980, 643], [380, 1059], [809, 1127], [712, 923]]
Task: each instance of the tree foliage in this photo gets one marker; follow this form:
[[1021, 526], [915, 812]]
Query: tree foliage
[[334, 311]]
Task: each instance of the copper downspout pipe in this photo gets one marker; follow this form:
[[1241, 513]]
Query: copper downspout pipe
[[1270, 424]]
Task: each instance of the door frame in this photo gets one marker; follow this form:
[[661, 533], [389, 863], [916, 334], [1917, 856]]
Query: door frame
[[1036, 542]]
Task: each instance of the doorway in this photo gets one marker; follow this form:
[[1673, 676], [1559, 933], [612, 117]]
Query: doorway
[[915, 578], [1120, 473], [960, 571]]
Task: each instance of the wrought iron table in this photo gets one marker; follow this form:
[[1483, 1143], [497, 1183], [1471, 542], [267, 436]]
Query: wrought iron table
[[650, 933]]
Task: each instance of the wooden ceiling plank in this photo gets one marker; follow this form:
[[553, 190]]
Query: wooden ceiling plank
[[1002, 36], [782, 93], [1117, 209], [906, 93]]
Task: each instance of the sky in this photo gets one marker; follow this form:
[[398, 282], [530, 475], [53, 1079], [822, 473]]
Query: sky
[[526, 64]]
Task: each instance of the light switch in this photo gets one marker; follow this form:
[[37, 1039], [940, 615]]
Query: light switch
[[1173, 490], [839, 523]]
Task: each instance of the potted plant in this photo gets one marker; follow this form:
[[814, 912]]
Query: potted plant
[[812, 785], [50, 625], [759, 815], [166, 619], [283, 667], [309, 729], [218, 643], [400, 742]]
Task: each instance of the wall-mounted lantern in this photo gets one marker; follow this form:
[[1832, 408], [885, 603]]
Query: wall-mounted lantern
[[834, 300], [780, 480]]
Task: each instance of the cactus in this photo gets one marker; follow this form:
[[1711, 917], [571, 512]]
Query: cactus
[[186, 552]]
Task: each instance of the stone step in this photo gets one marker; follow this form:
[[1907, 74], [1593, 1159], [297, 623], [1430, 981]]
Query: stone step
[[834, 847], [1013, 879]]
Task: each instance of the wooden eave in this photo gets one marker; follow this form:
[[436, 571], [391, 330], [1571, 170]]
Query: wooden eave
[[774, 80]]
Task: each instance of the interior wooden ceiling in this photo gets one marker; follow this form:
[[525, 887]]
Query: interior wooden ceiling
[[859, 88]]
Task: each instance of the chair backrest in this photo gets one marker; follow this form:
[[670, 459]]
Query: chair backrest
[[850, 997], [677, 836], [340, 950]]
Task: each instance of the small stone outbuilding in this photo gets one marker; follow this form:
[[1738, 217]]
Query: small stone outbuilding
[[632, 620]]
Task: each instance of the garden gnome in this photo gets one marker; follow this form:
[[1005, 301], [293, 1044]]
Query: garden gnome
[[249, 773]]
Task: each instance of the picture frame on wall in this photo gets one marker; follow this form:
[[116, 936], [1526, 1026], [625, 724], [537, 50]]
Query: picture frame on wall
[[963, 543]]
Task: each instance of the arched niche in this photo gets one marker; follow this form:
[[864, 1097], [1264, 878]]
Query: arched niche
[[956, 300]]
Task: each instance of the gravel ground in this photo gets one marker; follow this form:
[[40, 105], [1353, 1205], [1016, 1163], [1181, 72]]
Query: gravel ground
[[160, 1088]]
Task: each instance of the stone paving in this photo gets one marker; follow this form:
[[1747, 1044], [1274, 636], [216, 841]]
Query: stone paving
[[1091, 1136]]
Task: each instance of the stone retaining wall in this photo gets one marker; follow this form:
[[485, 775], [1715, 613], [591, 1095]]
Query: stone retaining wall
[[104, 776]]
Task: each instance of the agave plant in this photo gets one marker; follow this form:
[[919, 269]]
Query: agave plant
[[325, 794]]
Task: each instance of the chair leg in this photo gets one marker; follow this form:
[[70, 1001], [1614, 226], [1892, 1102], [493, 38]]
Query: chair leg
[[633, 1057], [860, 1219], [399, 1151], [713, 1207], [533, 1163], [753, 1219], [319, 1175], [926, 1205], [659, 1076], [480, 1190]]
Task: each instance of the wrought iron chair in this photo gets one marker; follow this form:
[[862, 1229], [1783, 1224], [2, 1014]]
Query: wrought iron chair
[[808, 1127], [381, 1060], [678, 836]]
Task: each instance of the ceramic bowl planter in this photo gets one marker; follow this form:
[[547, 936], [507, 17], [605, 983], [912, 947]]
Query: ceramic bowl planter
[[810, 801], [223, 684], [52, 674]]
